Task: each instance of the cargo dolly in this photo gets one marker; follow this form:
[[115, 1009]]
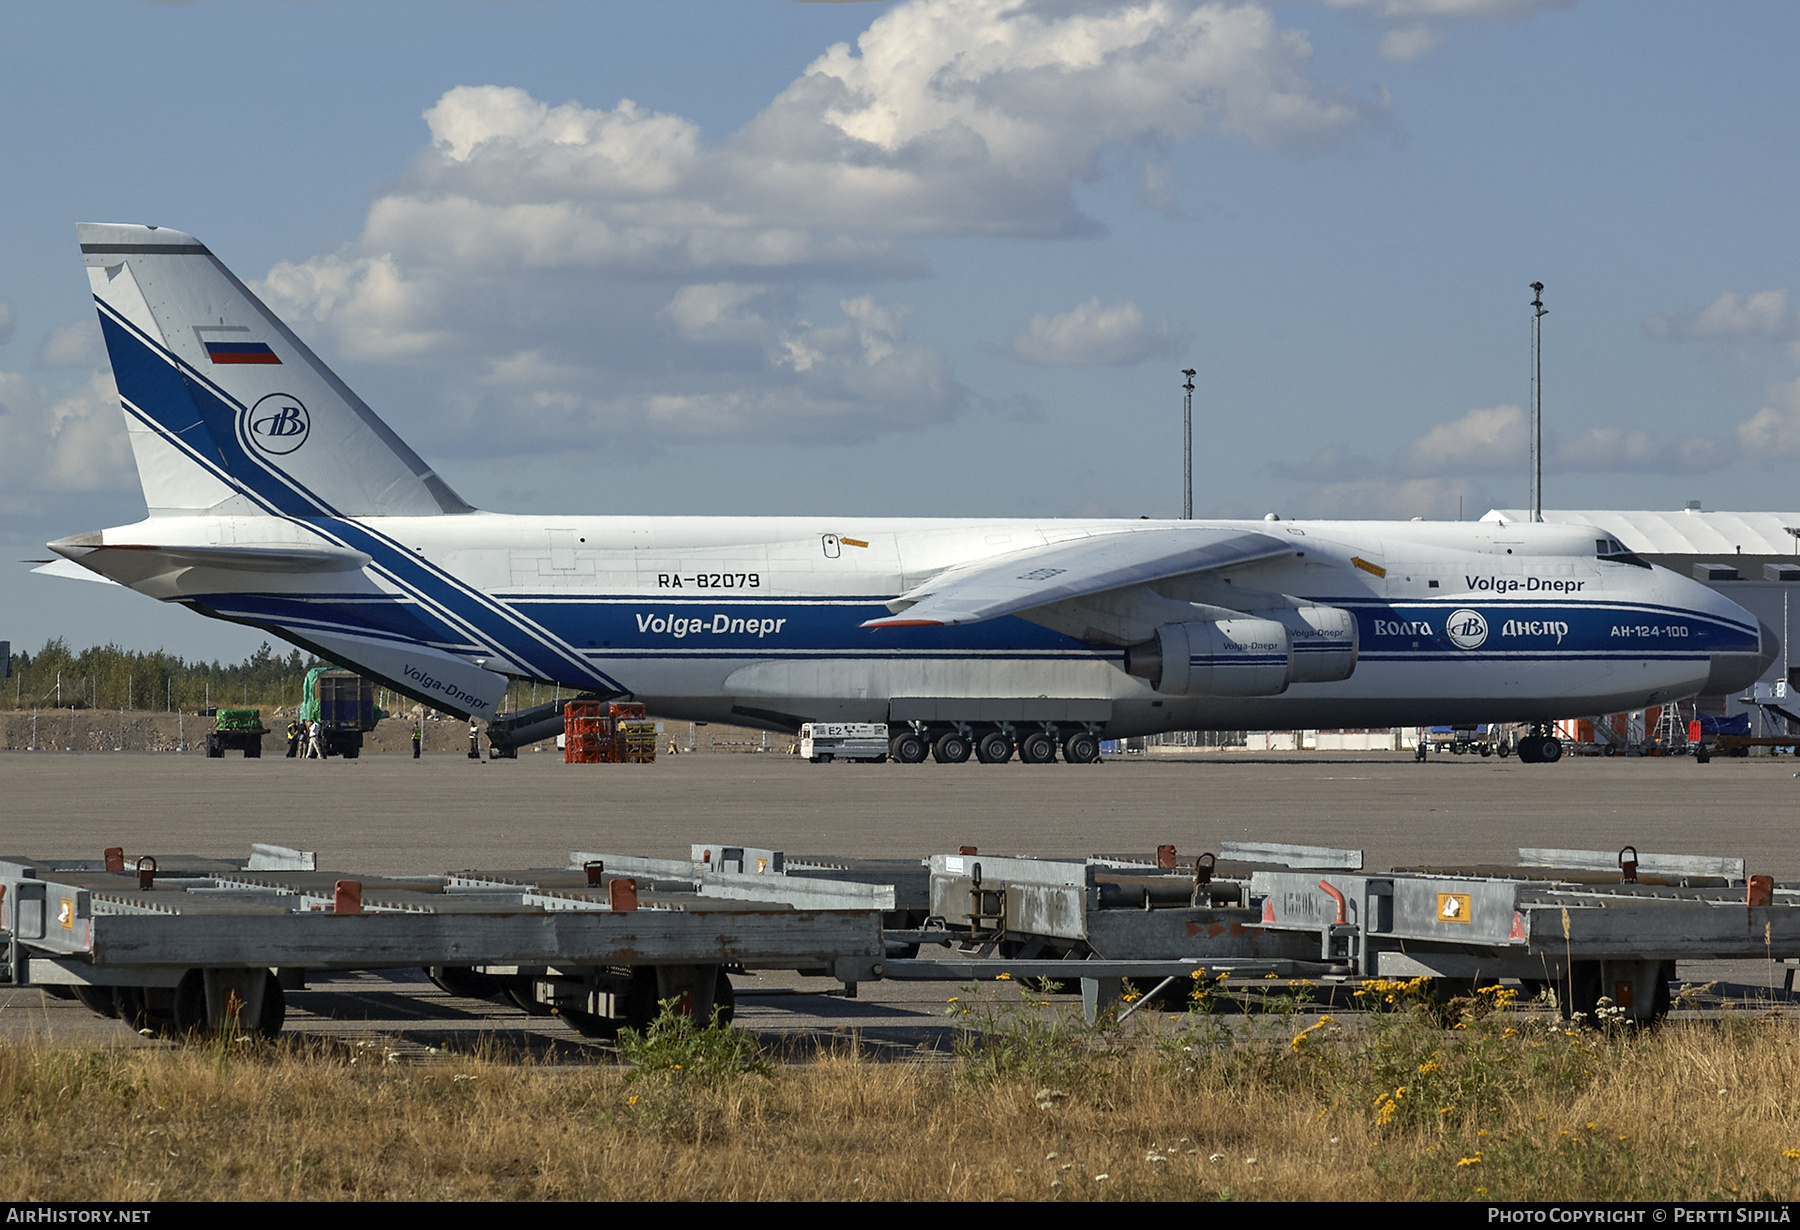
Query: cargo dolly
[[1593, 924], [185, 942], [197, 942]]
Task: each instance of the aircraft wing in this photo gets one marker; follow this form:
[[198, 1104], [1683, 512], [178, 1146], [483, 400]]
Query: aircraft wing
[[1025, 580]]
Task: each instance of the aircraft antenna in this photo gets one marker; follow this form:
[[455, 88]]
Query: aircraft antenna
[[1187, 446], [1538, 311]]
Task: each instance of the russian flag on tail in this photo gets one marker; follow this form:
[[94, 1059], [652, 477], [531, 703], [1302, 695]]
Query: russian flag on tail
[[240, 352]]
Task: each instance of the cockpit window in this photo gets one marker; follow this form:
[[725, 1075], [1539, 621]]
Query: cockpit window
[[1613, 551]]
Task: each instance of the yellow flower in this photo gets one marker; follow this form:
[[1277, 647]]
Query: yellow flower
[[1792, 1155], [1470, 1161], [1428, 1067], [1002, 977]]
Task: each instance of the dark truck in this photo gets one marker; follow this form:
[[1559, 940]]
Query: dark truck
[[343, 704], [236, 730]]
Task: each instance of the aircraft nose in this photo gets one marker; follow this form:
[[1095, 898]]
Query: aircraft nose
[[1733, 672]]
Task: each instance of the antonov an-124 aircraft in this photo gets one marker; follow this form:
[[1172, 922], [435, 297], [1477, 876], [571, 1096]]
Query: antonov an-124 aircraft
[[276, 498]]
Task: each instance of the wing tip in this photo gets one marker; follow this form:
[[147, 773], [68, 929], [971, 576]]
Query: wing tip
[[902, 623]]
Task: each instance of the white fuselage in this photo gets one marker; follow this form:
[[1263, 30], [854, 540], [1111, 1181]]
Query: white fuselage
[[759, 619]]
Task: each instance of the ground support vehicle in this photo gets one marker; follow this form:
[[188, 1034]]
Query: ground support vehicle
[[236, 730], [1482, 740], [824, 742], [342, 703]]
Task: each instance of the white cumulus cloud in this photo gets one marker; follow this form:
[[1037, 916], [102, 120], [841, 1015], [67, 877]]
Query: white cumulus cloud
[[74, 345], [53, 445], [1481, 440], [1757, 316], [664, 281], [1089, 335]]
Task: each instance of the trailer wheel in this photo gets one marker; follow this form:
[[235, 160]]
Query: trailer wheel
[[589, 1025], [460, 980], [274, 1007], [99, 1000], [143, 1008], [1578, 990], [253, 749], [994, 748], [215, 749], [519, 990]]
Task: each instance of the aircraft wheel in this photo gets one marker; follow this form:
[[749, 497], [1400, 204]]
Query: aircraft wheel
[[1081, 748], [994, 748], [1550, 750], [951, 747], [907, 747], [1505, 751], [1530, 750], [1037, 748]]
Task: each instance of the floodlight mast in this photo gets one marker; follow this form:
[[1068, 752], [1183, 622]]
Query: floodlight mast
[[1187, 446], [1538, 312]]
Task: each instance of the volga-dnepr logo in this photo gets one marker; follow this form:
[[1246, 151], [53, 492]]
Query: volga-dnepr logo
[[279, 424], [1466, 629]]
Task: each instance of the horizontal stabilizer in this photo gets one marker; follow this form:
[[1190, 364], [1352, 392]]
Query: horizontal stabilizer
[[131, 562], [1025, 580], [69, 570]]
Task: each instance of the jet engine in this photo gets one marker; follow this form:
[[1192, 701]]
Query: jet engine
[[1324, 640], [1215, 657], [1248, 655]]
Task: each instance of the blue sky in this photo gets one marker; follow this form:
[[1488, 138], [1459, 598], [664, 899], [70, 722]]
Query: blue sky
[[930, 259]]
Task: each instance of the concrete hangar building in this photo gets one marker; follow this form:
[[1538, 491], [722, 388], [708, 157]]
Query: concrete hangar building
[[1753, 558]]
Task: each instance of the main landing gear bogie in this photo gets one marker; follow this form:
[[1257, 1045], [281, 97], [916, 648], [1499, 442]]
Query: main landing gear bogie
[[1038, 743]]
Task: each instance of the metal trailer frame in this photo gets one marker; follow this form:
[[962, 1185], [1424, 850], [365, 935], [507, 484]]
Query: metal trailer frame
[[1594, 924], [198, 942]]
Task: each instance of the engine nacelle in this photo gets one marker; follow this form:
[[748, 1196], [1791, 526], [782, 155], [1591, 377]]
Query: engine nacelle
[[1325, 643], [1247, 656]]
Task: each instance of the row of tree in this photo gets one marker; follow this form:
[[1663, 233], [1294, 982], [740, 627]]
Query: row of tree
[[107, 677]]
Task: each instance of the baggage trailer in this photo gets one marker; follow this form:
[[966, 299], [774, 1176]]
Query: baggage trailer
[[183, 942], [1591, 924], [200, 942]]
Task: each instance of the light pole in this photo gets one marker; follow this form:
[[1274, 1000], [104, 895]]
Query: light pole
[[1187, 447], [1538, 311]]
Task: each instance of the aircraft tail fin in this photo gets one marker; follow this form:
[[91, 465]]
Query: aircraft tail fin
[[228, 411]]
